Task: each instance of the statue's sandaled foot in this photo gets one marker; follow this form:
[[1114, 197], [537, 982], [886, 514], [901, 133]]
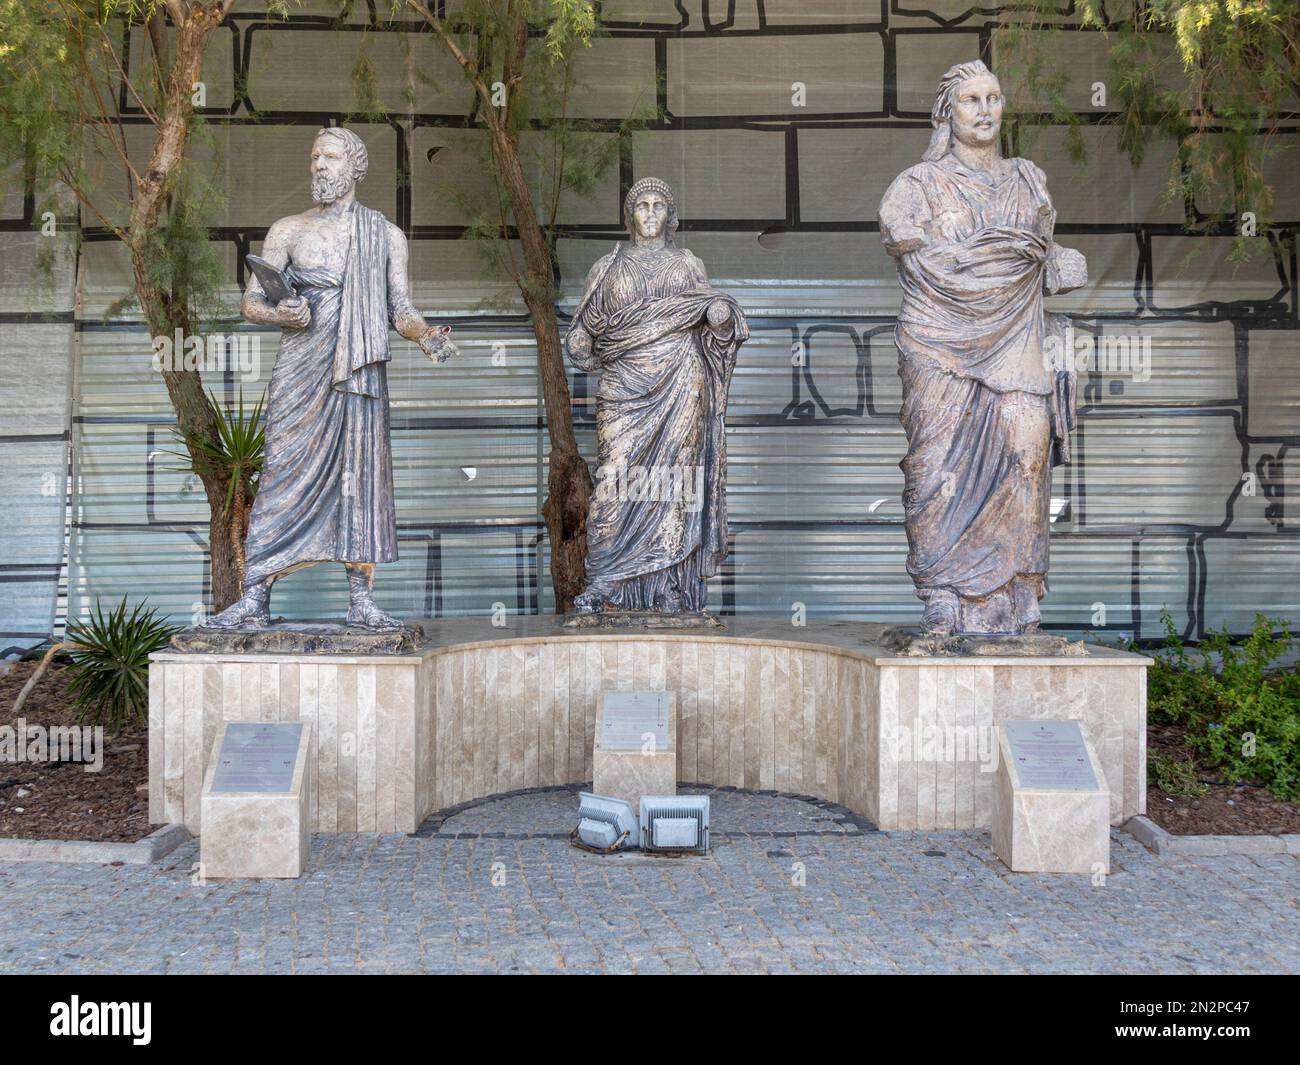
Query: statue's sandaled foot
[[1026, 594], [592, 599], [362, 609], [364, 612], [940, 617], [251, 611]]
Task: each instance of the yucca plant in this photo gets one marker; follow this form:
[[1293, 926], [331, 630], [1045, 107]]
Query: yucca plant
[[110, 663], [235, 455]]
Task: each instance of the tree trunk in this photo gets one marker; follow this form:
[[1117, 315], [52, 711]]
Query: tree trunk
[[568, 486], [166, 311]]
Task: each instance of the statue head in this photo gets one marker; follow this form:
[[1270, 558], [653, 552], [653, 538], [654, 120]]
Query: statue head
[[338, 161], [967, 107], [649, 210]]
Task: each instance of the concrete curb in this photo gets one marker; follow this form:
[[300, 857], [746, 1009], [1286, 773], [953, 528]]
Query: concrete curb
[[153, 847], [1158, 841]]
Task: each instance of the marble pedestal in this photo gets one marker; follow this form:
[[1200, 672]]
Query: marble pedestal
[[257, 835], [823, 709], [627, 775], [1048, 830]]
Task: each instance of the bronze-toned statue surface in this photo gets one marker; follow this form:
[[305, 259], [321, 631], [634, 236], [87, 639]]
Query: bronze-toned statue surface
[[985, 412], [326, 489], [665, 343]]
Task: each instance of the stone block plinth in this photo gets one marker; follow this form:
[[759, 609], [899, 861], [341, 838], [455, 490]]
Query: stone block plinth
[[257, 833], [825, 709], [635, 756], [1045, 820]]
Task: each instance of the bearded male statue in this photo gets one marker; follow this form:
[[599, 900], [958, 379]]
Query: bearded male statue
[[985, 409], [326, 489]]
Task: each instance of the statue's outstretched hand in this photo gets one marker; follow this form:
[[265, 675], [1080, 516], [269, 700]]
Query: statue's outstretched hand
[[294, 313], [436, 343]]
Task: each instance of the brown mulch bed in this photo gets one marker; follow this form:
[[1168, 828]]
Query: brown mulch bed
[[1224, 810], [62, 800]]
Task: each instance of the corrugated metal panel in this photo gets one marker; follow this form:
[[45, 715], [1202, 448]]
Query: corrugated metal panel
[[813, 491], [36, 340]]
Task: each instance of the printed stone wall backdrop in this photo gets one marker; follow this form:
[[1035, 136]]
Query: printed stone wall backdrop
[[783, 122]]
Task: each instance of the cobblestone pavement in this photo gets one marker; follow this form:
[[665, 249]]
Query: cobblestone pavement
[[495, 887]]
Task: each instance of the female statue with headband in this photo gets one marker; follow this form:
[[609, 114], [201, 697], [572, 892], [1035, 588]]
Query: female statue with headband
[[665, 344]]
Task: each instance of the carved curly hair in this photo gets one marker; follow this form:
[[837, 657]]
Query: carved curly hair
[[353, 145]]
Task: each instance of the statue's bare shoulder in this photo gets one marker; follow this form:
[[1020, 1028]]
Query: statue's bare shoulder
[[305, 238], [290, 225], [277, 246], [396, 238]]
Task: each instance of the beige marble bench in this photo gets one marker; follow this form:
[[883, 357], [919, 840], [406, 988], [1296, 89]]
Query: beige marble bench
[[820, 710]]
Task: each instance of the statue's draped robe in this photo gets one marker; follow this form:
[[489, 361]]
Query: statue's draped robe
[[326, 489], [973, 256], [660, 406]]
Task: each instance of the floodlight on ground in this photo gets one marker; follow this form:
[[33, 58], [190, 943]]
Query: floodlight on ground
[[675, 822], [606, 824]]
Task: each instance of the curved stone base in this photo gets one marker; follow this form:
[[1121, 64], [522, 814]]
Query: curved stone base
[[822, 710]]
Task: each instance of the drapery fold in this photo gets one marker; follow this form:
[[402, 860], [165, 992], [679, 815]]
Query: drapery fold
[[363, 311]]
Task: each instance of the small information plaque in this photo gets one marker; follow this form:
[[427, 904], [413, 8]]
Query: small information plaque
[[257, 757], [1050, 755], [629, 716]]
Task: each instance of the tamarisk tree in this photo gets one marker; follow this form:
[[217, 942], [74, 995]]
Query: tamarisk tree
[[518, 55], [68, 96], [1219, 79]]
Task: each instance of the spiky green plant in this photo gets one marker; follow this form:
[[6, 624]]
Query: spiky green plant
[[236, 453], [110, 665]]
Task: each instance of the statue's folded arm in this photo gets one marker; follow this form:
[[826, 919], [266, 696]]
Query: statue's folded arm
[[904, 216], [1067, 270]]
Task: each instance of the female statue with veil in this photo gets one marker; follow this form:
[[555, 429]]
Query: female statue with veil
[[665, 344], [984, 409]]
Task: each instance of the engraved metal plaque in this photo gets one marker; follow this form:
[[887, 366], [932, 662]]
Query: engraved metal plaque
[[630, 716], [1050, 755], [257, 757]]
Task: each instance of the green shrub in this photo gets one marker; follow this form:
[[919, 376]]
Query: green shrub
[[110, 667], [1243, 715], [1175, 776]]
